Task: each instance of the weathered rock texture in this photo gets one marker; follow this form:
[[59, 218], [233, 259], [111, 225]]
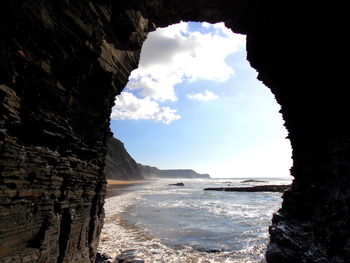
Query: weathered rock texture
[[61, 64], [119, 164]]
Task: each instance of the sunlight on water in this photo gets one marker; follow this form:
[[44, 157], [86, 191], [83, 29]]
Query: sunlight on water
[[163, 223]]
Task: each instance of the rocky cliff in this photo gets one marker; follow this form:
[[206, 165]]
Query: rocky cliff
[[150, 172], [61, 64], [119, 164]]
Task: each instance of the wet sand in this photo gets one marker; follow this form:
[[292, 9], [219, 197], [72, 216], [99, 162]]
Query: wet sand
[[117, 187]]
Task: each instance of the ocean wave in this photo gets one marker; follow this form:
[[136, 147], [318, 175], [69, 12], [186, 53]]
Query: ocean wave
[[128, 215]]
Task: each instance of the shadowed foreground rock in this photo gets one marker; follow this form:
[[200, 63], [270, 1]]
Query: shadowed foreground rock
[[127, 256], [259, 188], [63, 62]]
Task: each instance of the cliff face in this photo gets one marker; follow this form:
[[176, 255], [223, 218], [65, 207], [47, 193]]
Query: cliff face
[[150, 172], [119, 164], [62, 63]]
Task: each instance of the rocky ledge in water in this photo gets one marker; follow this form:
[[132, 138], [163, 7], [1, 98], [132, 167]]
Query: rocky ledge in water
[[259, 188], [127, 256]]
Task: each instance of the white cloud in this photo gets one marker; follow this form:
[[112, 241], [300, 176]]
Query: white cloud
[[206, 25], [171, 56], [175, 54], [206, 96], [128, 106]]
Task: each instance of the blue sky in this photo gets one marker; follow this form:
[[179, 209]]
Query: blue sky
[[195, 102]]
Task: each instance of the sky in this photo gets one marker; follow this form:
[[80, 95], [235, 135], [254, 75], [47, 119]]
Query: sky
[[195, 102]]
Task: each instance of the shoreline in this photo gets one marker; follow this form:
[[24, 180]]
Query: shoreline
[[117, 187], [121, 240]]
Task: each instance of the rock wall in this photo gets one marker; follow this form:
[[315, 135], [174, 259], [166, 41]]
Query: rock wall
[[305, 69], [61, 64], [119, 164]]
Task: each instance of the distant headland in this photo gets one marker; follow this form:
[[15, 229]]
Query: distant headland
[[121, 166]]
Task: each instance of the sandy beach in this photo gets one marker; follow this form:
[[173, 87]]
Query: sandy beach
[[116, 187]]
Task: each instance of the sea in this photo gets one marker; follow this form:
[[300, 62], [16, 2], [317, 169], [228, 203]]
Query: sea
[[162, 223]]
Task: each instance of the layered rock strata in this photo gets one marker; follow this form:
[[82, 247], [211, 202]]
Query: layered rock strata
[[119, 164], [62, 63]]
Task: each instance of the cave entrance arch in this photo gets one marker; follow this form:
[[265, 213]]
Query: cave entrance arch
[[190, 34], [63, 63]]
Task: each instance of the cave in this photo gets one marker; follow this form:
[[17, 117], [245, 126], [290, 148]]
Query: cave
[[61, 65]]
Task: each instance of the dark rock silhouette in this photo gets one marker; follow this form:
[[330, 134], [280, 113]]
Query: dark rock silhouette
[[103, 258], [63, 62], [214, 250], [119, 164], [129, 256]]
